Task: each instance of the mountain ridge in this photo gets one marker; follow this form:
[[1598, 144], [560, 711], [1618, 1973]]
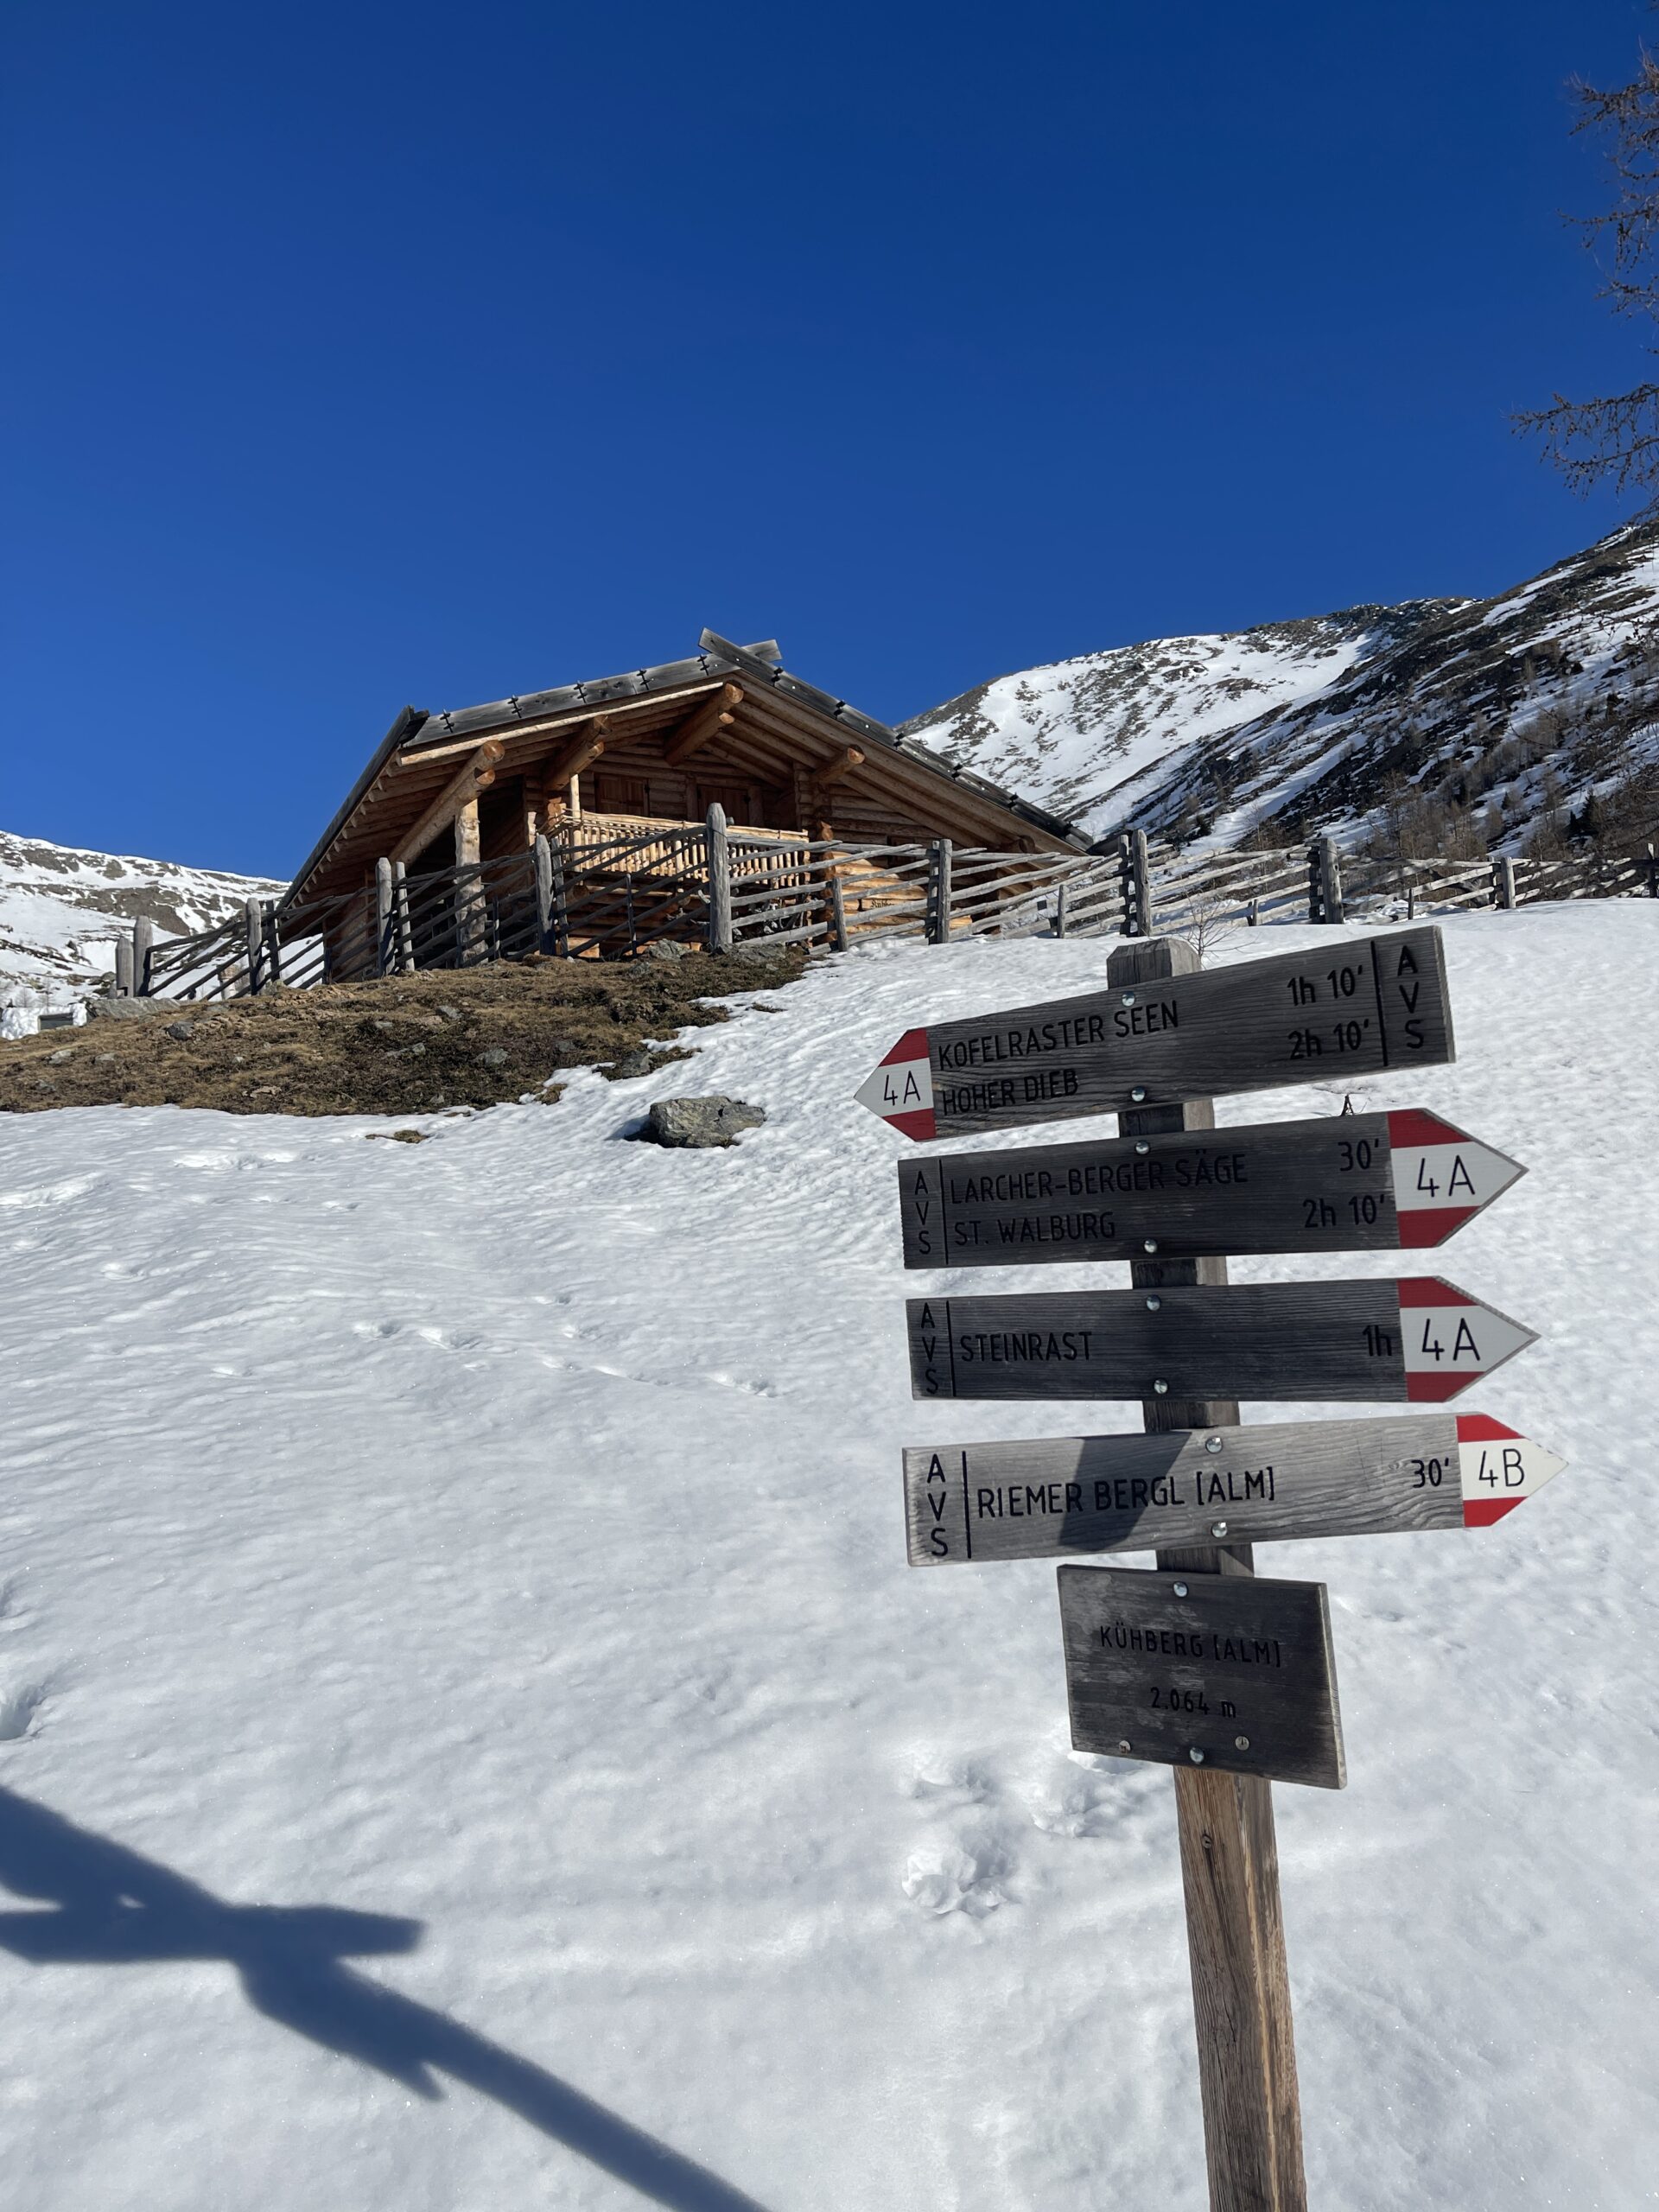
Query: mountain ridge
[[1495, 723]]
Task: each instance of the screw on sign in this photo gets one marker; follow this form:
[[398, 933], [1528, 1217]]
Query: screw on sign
[[1227, 1678], [1365, 1182]]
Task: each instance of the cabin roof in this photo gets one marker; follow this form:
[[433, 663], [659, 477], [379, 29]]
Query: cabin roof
[[418, 740]]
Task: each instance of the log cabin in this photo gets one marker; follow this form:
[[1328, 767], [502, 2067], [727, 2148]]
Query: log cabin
[[657, 747]]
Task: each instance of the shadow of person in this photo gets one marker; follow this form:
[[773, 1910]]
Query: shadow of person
[[112, 1907]]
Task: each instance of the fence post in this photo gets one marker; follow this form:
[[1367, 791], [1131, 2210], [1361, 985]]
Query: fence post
[[255, 922], [273, 943], [720, 882], [1503, 883], [1324, 881], [1653, 873], [143, 944], [124, 967], [1059, 910], [937, 928], [837, 912], [406, 932], [1134, 872], [385, 906], [543, 853]]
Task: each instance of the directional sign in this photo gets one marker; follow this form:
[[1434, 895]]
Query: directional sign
[[1349, 1183], [1353, 1009], [1044, 1497], [1222, 1670], [1420, 1339]]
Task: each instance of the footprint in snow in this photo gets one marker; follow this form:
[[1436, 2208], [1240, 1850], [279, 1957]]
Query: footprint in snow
[[51, 1194], [942, 1778], [946, 1878], [1078, 1795], [19, 1711]]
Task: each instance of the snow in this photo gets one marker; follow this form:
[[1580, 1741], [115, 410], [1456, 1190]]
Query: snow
[[1092, 734], [468, 1736], [1297, 724], [61, 910]]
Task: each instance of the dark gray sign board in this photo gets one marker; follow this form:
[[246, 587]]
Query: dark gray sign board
[[1043, 1497], [1330, 1012], [1346, 1183], [1220, 1671], [1417, 1338]]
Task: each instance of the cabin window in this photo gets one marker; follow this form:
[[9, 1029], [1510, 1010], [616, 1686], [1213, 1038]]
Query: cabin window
[[619, 795]]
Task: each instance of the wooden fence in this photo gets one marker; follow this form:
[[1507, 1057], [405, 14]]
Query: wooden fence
[[607, 891]]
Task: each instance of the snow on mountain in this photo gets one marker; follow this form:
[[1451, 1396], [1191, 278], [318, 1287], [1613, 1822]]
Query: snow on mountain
[[1496, 716], [61, 911], [1075, 735], [469, 1737]]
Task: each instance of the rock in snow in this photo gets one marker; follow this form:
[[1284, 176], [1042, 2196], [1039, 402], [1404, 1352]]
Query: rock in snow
[[700, 1124]]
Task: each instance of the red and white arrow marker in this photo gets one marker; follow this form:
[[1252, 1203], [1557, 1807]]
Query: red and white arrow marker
[[1449, 1338], [901, 1088], [1442, 1176], [1500, 1468]]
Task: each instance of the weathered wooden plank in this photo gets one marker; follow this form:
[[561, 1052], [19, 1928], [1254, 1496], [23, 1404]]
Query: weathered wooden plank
[[720, 882], [476, 774], [1234, 1672], [1347, 1010], [1347, 1183], [1241, 1992], [1046, 1497], [1418, 1338]]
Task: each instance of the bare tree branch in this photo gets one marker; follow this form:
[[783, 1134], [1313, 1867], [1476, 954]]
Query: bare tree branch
[[1615, 440]]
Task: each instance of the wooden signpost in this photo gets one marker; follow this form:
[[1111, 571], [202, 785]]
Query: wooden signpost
[[1357, 1009], [1052, 1497], [1418, 1338], [1227, 1679], [1350, 1183], [1216, 1670]]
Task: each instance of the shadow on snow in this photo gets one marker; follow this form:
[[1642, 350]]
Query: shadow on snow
[[114, 1907]]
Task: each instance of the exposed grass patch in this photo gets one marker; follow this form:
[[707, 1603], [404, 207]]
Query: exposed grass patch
[[405, 1045]]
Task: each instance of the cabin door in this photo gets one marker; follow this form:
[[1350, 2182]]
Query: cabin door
[[734, 798]]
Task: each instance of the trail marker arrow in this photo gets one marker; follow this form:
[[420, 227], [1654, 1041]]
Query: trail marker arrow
[[1349, 1183], [1047, 1497], [1353, 1009], [1421, 1339]]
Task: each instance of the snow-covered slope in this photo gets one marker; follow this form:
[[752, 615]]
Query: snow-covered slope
[[1504, 710], [61, 911], [1080, 735], [469, 1739]]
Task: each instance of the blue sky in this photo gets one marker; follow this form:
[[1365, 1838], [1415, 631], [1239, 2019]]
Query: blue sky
[[359, 354]]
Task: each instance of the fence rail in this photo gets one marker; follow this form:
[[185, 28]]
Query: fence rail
[[601, 890]]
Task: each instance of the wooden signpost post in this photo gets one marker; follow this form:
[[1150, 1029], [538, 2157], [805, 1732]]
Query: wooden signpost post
[[1227, 1679]]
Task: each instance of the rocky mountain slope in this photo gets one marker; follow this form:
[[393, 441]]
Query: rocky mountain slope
[[61, 911], [1511, 723]]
